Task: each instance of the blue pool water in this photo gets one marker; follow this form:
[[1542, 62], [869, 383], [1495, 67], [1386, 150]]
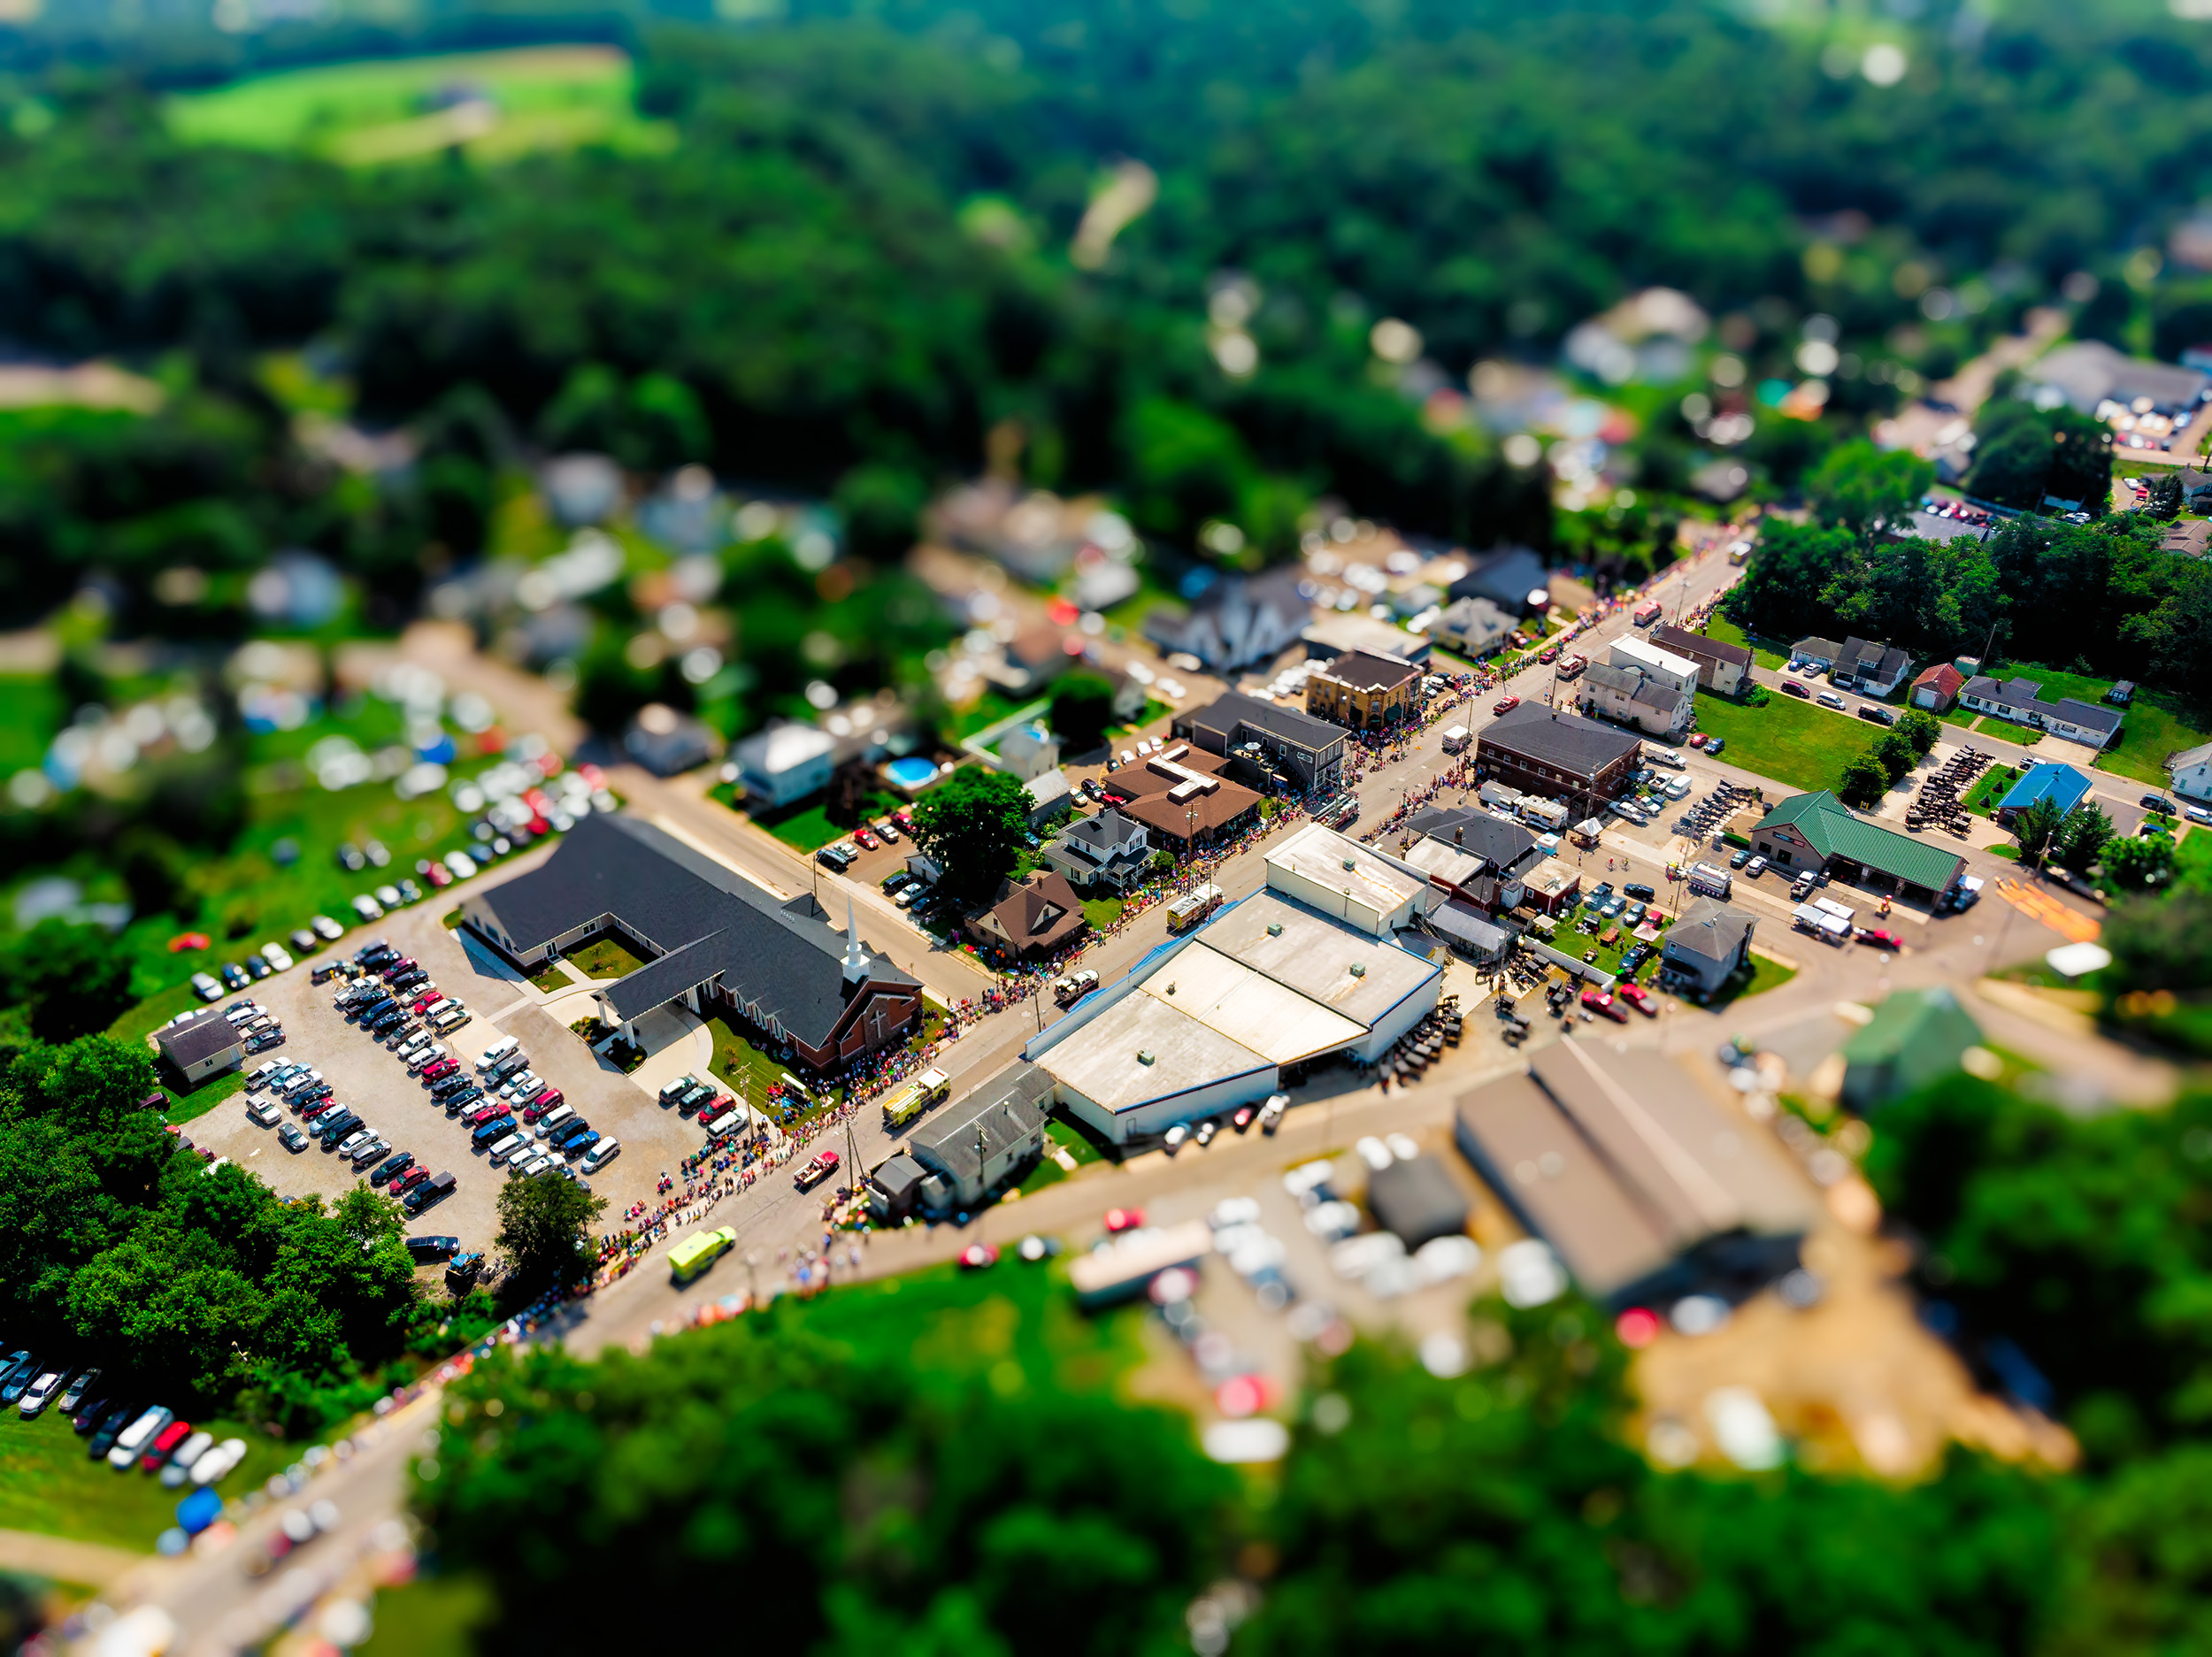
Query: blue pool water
[[912, 772]]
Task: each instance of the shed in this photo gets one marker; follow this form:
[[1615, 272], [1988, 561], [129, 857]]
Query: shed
[[207, 1047]]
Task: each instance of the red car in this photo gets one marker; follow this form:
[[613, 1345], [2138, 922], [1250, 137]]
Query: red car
[[409, 1180], [1637, 996], [1598, 1002], [1697, 738], [184, 941], [1120, 1220], [904, 816], [1796, 687], [1880, 936], [816, 1171], [977, 1256], [438, 875], [439, 1071], [164, 1445], [1505, 704], [866, 837]]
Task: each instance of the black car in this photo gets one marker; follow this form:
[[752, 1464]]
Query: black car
[[1879, 715], [330, 1132], [836, 856], [462, 1100], [110, 1429], [391, 1167], [235, 976], [446, 1086], [90, 1413], [1636, 889], [427, 1250], [435, 1189], [2157, 802]]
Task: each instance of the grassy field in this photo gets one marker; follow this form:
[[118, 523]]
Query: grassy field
[[48, 1483], [2157, 724], [1988, 789], [1793, 742], [1571, 940], [1072, 1139], [431, 1617], [1764, 975], [605, 959], [151, 1014], [1101, 911], [807, 827], [552, 980], [1727, 632], [494, 105]]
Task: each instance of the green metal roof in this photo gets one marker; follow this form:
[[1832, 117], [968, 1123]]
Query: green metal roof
[[1833, 832]]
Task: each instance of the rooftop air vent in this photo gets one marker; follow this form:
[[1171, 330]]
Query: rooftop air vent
[[1274, 929], [1359, 969], [1143, 1057], [1351, 863]]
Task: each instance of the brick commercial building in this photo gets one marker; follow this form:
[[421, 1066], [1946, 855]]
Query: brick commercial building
[[709, 938], [1181, 797], [1559, 755], [1364, 691]]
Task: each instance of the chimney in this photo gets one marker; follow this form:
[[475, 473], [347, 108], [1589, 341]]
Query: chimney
[[855, 958]]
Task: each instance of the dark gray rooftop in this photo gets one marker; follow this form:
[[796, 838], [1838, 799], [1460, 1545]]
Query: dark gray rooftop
[[1565, 740], [187, 1044], [1503, 845], [1006, 1110], [1227, 711], [703, 921]]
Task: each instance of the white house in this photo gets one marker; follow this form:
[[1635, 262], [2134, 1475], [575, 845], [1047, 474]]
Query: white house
[[1028, 751], [1635, 697], [786, 763], [2021, 700], [2191, 772], [1473, 626]]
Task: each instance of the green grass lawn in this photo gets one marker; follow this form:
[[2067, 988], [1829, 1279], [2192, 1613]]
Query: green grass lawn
[[49, 1484], [605, 959], [1991, 786], [748, 1070], [142, 1021], [378, 111], [806, 826], [552, 980], [1101, 911], [1071, 1138], [1764, 975], [1793, 742], [1727, 632], [2157, 724], [1153, 709], [1571, 940], [1047, 1172]]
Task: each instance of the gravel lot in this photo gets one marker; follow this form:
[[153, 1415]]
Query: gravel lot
[[376, 1084]]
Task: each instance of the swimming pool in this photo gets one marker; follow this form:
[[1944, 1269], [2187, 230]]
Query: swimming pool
[[911, 772]]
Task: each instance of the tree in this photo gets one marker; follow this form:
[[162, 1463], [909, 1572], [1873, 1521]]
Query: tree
[[2033, 829], [1893, 750], [973, 826], [1866, 488], [2160, 943], [1921, 728], [74, 979], [2140, 865], [544, 1224], [1864, 780], [1082, 707], [2082, 836], [2165, 495]]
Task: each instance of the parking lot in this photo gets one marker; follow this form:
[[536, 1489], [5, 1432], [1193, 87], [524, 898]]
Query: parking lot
[[375, 1084]]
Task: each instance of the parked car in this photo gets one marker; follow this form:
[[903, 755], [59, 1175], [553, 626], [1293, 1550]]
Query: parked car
[[1879, 715], [428, 1250], [163, 1444], [1756, 867], [435, 1189], [1880, 936], [2159, 804], [291, 1137], [1796, 688], [1739, 859], [1829, 699], [1637, 996]]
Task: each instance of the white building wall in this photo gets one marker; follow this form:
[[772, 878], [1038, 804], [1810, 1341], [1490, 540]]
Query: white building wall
[[1399, 1019], [1155, 1117], [2194, 782], [1661, 664]]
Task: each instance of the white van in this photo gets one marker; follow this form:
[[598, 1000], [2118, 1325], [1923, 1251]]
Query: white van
[[601, 1155], [554, 1117], [1456, 739], [498, 1051], [505, 1148]]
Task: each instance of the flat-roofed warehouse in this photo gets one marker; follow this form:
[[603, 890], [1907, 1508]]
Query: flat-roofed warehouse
[[1641, 1184], [1217, 1018]]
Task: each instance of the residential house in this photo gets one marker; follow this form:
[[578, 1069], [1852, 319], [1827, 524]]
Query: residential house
[[208, 1045], [1560, 755], [1474, 857], [1817, 830], [1182, 797], [668, 743], [1722, 668], [1049, 794], [2100, 380], [1820, 653], [1472, 627], [894, 1189], [1511, 578], [1870, 669], [1030, 920], [711, 940], [1237, 623], [1706, 946], [1026, 751], [979, 1144], [1365, 692], [1307, 752], [1937, 687], [1915, 1036], [2190, 770], [2021, 700], [785, 764], [1629, 695], [1106, 853], [1035, 657], [2062, 786]]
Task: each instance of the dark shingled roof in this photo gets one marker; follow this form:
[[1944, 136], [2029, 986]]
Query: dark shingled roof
[[187, 1044], [1008, 1108], [703, 921], [1233, 708], [1363, 669], [1682, 642], [1566, 741], [1503, 845]]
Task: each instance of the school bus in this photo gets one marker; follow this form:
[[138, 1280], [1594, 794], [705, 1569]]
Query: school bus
[[1186, 912], [699, 1251], [931, 1087]]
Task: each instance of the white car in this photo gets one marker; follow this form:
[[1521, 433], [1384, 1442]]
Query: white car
[[40, 1393], [277, 957], [389, 897], [460, 865], [1676, 787], [325, 929], [1829, 699], [206, 988], [368, 909]]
